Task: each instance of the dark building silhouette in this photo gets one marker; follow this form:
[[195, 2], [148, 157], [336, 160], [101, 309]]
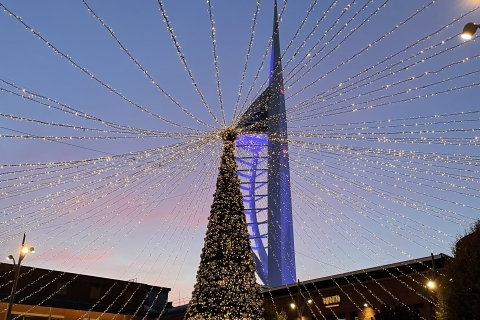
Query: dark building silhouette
[[53, 294], [356, 295]]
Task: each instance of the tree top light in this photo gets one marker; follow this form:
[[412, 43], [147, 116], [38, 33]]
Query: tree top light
[[469, 30]]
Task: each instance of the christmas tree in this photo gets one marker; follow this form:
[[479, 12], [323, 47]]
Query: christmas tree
[[226, 287]]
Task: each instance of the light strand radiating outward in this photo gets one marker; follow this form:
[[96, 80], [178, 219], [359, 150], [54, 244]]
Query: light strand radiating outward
[[383, 152], [73, 63], [110, 30], [183, 60]]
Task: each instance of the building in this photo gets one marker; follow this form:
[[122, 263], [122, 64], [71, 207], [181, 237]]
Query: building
[[59, 295], [356, 295]]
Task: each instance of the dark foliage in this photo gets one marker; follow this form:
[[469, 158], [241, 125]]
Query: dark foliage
[[459, 294]]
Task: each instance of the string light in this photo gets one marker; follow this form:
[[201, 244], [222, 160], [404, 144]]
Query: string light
[[380, 170], [368, 46], [183, 60], [145, 72], [73, 63], [215, 61], [247, 57], [26, 94], [310, 57]]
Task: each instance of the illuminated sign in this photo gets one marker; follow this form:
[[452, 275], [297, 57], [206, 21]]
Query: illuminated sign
[[332, 301]]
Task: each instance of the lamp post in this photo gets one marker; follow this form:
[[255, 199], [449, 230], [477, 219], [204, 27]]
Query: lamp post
[[16, 267], [432, 284], [299, 306], [469, 30]]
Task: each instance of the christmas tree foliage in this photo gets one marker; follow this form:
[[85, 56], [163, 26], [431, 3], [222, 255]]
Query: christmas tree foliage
[[226, 287]]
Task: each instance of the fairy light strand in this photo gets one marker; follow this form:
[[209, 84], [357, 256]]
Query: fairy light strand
[[145, 72], [183, 60]]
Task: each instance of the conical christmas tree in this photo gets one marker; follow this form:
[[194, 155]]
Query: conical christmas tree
[[226, 287]]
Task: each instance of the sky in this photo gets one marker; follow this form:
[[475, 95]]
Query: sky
[[383, 169]]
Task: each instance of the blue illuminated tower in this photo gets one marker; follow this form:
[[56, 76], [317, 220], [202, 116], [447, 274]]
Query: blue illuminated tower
[[265, 129]]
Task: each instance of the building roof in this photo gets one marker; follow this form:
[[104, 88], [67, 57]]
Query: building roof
[[59, 289], [398, 269]]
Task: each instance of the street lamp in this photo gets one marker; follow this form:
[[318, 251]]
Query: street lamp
[[432, 284], [16, 268], [469, 30], [300, 306]]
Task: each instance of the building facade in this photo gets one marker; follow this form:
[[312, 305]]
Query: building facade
[[47, 294], [356, 295]]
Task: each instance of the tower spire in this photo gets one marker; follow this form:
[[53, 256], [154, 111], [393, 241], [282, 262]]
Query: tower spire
[[275, 58], [281, 253], [265, 117]]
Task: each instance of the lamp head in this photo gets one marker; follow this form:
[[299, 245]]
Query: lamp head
[[10, 257], [292, 305], [26, 250], [431, 285], [469, 30]]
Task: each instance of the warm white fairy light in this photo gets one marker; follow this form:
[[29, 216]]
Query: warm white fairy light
[[215, 61], [322, 245], [145, 72], [172, 158], [247, 57], [127, 233], [226, 270], [356, 108], [264, 59], [331, 253], [311, 33], [315, 286], [367, 47], [184, 61], [341, 225], [165, 245], [344, 159], [395, 223], [352, 153], [91, 75], [302, 24], [26, 94], [308, 292], [343, 87], [409, 79], [392, 123], [201, 205], [284, 52], [303, 223], [310, 57], [400, 199]]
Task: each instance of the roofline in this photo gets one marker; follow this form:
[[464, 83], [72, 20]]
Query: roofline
[[163, 289], [439, 256]]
